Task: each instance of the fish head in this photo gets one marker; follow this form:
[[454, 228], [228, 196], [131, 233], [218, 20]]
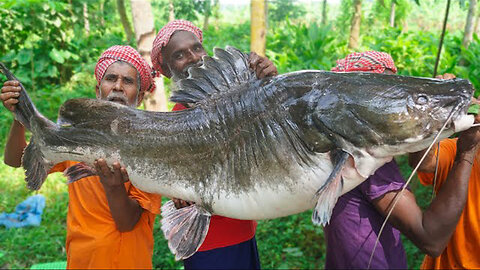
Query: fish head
[[398, 113]]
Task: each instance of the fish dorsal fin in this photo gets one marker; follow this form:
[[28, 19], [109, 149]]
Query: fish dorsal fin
[[223, 72]]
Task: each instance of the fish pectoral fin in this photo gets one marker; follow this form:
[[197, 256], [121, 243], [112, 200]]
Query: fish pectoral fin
[[328, 194], [35, 165], [185, 229], [78, 171]]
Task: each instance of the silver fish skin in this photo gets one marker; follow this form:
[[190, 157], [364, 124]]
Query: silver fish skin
[[250, 148]]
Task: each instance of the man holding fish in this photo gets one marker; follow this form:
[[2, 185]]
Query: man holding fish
[[455, 157], [109, 221], [230, 243], [359, 214]]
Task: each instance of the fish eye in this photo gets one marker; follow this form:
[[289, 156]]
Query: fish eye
[[421, 99]]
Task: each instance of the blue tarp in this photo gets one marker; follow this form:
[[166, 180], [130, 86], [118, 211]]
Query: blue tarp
[[27, 213]]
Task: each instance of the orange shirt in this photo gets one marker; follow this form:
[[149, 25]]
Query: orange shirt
[[93, 240], [224, 231], [463, 249]]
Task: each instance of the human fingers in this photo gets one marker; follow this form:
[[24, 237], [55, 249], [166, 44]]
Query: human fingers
[[253, 60], [446, 76], [9, 101], [11, 83], [124, 174], [117, 173], [269, 71], [177, 203], [102, 168]]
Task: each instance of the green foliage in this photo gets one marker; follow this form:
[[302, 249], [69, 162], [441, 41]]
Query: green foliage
[[22, 247], [189, 10], [471, 69], [381, 12], [46, 45], [221, 35], [278, 10], [291, 242], [296, 47]]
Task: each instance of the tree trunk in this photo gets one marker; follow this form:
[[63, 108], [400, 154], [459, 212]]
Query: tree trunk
[[86, 23], [102, 19], [145, 34], [124, 19], [207, 11], [171, 11], [258, 26], [205, 22], [355, 29], [324, 13], [477, 20], [468, 34], [392, 14]]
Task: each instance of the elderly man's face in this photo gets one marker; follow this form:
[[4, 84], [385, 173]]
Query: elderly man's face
[[182, 51], [120, 84]]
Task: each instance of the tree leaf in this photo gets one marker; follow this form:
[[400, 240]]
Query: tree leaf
[[56, 56], [24, 57], [52, 71], [9, 56], [474, 109]]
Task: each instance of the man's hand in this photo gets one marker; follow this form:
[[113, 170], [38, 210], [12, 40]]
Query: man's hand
[[262, 66], [468, 140], [111, 178], [446, 76], [181, 203], [10, 93], [125, 211]]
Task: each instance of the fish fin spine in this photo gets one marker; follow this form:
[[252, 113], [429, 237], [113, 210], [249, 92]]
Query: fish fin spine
[[185, 229], [328, 194], [35, 165]]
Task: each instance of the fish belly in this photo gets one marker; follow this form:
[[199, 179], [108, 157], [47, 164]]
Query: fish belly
[[266, 199]]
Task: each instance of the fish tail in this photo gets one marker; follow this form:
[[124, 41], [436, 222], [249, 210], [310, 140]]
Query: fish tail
[[184, 228], [24, 109], [35, 165]]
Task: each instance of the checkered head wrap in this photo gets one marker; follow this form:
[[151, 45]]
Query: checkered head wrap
[[131, 56], [371, 61], [163, 37]]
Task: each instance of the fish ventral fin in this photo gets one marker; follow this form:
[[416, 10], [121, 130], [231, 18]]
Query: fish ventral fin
[[185, 229], [35, 165], [328, 194], [78, 171], [223, 72]]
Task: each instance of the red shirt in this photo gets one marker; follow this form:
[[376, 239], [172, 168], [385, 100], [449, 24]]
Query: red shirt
[[224, 231]]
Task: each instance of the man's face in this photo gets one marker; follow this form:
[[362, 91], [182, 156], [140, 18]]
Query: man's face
[[120, 84], [182, 51]]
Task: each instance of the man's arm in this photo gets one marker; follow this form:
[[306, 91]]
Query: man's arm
[[125, 211], [432, 229], [428, 164], [16, 139]]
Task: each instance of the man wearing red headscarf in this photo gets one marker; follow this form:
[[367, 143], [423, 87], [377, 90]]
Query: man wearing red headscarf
[[230, 243], [109, 221], [358, 215]]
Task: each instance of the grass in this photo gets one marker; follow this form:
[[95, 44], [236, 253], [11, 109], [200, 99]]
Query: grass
[[289, 242]]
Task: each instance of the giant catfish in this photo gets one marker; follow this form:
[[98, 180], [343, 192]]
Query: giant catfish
[[249, 148]]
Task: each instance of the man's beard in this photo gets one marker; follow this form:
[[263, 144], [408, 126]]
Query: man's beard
[[179, 75], [120, 98]]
